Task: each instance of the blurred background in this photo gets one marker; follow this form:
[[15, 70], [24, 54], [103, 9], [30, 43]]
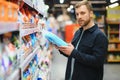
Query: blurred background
[[25, 54]]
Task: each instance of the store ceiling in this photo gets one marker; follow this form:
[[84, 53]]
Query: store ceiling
[[97, 4], [55, 6]]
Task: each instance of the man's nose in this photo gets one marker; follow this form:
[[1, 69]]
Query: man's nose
[[79, 16]]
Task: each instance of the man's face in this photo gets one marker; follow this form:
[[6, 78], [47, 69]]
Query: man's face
[[83, 15]]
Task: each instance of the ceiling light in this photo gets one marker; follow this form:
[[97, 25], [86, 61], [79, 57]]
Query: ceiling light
[[71, 6], [112, 1], [68, 9], [61, 1], [113, 5]]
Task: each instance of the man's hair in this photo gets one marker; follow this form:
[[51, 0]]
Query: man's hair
[[84, 2]]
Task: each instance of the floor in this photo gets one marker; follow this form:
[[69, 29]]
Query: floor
[[111, 71]]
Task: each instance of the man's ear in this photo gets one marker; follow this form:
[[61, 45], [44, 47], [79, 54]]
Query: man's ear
[[91, 14]]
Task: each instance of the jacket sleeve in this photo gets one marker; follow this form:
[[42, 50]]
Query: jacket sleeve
[[99, 53]]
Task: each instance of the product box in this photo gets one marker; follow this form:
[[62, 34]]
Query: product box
[[8, 11], [53, 38]]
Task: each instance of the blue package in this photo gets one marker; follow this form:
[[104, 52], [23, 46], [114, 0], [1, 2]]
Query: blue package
[[54, 39]]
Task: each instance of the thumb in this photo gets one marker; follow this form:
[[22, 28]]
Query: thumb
[[69, 44]]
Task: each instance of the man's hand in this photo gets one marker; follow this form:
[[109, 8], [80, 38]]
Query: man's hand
[[66, 49]]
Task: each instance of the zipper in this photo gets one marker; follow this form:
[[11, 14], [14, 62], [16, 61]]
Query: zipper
[[73, 60]]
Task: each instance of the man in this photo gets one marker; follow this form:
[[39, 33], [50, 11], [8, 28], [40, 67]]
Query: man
[[87, 52]]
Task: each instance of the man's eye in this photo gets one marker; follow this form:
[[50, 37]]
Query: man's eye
[[76, 14], [82, 13]]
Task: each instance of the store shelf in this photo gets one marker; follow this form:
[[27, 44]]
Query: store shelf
[[26, 53], [113, 22], [114, 41], [27, 50], [8, 27], [36, 74], [38, 10], [15, 75], [25, 32], [28, 59], [28, 25], [33, 6], [29, 3], [113, 50], [113, 60], [114, 32]]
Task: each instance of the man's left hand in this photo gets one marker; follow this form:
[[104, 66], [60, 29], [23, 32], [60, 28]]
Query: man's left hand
[[67, 49]]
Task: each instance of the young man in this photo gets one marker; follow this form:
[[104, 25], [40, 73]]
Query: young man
[[87, 52]]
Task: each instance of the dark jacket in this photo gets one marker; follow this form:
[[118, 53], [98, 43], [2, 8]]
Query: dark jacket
[[90, 55]]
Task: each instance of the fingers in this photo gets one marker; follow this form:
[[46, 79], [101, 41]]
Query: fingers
[[56, 47], [63, 47], [70, 45]]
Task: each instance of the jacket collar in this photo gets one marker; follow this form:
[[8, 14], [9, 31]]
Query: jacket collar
[[93, 28]]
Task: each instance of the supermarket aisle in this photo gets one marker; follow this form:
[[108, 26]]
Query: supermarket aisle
[[112, 71], [58, 66]]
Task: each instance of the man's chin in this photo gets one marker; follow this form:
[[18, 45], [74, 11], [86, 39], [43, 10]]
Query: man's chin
[[81, 24]]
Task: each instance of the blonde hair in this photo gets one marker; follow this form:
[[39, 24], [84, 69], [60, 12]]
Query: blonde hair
[[84, 2]]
